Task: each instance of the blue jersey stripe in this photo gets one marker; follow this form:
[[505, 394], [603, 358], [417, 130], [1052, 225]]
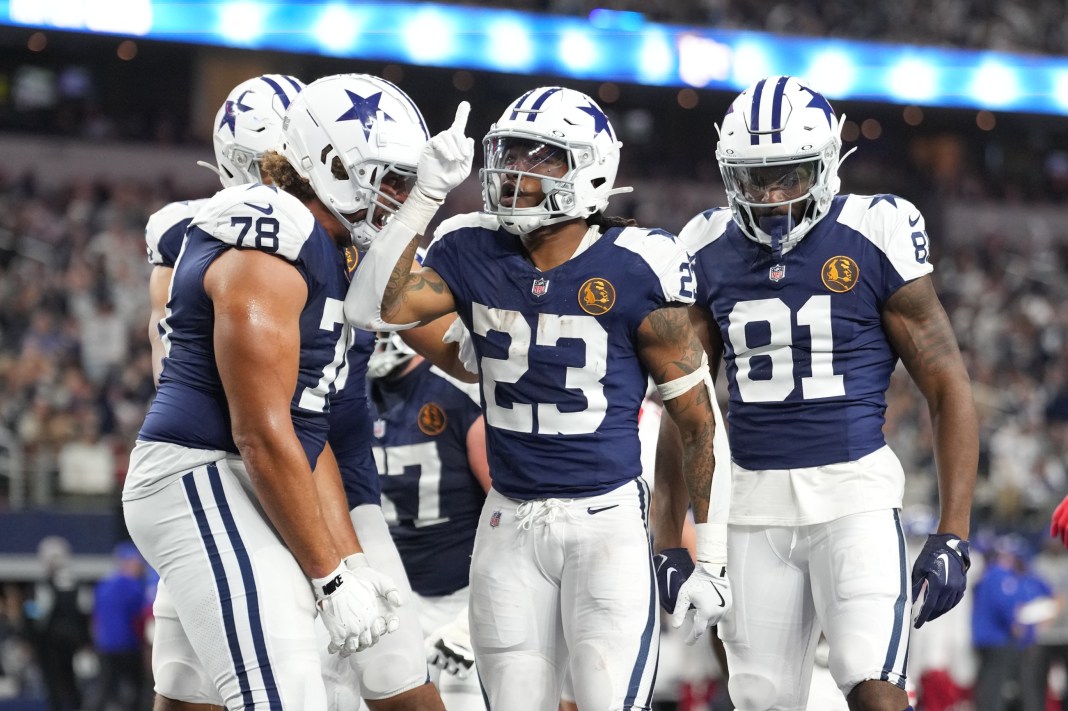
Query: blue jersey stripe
[[899, 609], [252, 598], [776, 110], [647, 636], [221, 584], [754, 117]]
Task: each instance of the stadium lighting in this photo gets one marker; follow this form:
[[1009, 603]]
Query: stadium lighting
[[833, 73], [510, 46], [241, 22], [751, 62], [337, 29], [912, 80], [430, 36], [657, 62], [576, 51], [994, 84]]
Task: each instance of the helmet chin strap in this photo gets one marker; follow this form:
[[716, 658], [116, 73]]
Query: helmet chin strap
[[778, 226]]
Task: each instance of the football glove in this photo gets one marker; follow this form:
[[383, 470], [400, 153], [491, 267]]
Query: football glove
[[449, 647], [446, 158], [939, 576], [389, 597], [1059, 526], [349, 607], [673, 566], [707, 589]]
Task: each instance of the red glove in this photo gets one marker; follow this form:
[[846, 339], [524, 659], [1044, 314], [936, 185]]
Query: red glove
[[1059, 527]]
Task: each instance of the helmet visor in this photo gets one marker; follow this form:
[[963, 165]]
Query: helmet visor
[[522, 155], [771, 184]]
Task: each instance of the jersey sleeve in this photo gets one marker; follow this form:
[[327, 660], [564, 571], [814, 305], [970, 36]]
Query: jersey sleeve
[[667, 258], [445, 254], [258, 217], [165, 231], [896, 228]]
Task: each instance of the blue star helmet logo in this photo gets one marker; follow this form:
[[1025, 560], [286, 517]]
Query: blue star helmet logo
[[600, 121], [819, 102], [365, 110], [230, 111]]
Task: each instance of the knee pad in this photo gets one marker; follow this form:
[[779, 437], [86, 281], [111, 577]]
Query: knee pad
[[752, 692]]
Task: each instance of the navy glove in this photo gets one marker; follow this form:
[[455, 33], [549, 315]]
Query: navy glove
[[673, 567], [941, 572]]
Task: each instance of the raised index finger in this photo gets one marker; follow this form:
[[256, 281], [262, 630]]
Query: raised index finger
[[460, 122]]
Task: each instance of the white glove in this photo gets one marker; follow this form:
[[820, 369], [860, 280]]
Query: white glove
[[458, 333], [349, 607], [446, 158], [388, 598], [707, 589], [449, 647]]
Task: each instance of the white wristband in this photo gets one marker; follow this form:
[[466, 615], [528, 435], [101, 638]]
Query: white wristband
[[673, 388], [356, 561], [712, 543], [417, 211]]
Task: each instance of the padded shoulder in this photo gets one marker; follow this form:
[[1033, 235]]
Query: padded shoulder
[[895, 227], [480, 220], [705, 228], [258, 217], [166, 229], [666, 257]]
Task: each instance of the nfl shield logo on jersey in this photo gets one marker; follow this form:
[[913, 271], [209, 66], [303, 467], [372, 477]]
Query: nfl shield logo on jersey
[[540, 287], [380, 428], [495, 519], [777, 272]]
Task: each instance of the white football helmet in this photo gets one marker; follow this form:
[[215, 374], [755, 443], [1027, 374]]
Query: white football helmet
[[557, 124], [390, 352], [779, 136], [345, 133], [248, 124]]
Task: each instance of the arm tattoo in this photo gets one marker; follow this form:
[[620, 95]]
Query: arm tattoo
[[920, 329], [399, 277]]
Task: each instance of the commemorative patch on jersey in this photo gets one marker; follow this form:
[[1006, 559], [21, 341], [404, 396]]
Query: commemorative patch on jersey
[[840, 274], [352, 258], [597, 296], [431, 419]]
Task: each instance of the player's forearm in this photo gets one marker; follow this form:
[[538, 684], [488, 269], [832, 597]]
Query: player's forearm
[[698, 463], [671, 498], [956, 437], [335, 505], [282, 479]]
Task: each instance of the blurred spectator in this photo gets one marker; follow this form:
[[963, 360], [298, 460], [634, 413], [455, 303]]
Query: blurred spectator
[[1005, 639], [1052, 565], [60, 621], [118, 632]]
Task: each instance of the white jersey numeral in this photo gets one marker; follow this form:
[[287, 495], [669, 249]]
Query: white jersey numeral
[[335, 372], [816, 316], [585, 378], [423, 457]]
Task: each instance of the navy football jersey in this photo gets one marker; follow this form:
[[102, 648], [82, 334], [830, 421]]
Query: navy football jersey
[[807, 360], [430, 497], [190, 407], [350, 426], [166, 228], [561, 381]]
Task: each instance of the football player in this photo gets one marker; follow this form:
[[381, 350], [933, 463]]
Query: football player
[[220, 496], [811, 299], [569, 311], [430, 447]]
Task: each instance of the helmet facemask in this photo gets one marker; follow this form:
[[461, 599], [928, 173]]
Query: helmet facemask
[[561, 138], [391, 352], [779, 147]]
